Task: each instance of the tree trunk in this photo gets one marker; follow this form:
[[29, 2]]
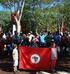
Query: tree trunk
[[18, 18], [18, 27]]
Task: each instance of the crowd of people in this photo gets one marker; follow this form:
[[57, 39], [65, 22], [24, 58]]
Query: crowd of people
[[44, 39], [9, 42]]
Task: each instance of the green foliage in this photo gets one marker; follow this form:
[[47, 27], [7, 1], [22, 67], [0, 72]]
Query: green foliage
[[36, 19], [64, 11], [46, 1], [4, 20]]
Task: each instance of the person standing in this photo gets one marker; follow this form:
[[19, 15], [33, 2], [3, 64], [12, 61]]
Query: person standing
[[54, 56], [15, 58]]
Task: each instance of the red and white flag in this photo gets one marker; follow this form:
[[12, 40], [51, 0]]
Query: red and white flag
[[35, 58]]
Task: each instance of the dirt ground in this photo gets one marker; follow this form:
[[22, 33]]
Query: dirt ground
[[6, 68]]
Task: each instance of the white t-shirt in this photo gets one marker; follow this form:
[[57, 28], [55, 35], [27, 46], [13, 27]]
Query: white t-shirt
[[54, 53], [30, 37], [15, 57]]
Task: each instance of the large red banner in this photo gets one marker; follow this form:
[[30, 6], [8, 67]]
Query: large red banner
[[34, 58]]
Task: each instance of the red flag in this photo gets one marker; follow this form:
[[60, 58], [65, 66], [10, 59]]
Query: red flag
[[62, 29], [35, 58]]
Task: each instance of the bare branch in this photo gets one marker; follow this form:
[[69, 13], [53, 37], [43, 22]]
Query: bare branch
[[21, 10], [15, 18]]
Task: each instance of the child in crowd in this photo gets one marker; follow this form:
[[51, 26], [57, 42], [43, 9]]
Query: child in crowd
[[53, 55], [15, 57]]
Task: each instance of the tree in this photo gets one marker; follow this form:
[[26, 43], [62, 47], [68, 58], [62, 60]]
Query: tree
[[4, 20], [64, 11], [34, 18], [19, 5]]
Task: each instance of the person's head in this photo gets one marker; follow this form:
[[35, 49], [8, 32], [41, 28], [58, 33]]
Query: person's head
[[53, 45], [49, 33], [29, 34], [16, 33], [15, 45], [24, 36]]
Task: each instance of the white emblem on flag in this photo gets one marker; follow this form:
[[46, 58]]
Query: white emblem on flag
[[35, 58]]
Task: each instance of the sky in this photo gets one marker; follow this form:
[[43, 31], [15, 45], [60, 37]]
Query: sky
[[4, 9], [55, 2], [1, 8]]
